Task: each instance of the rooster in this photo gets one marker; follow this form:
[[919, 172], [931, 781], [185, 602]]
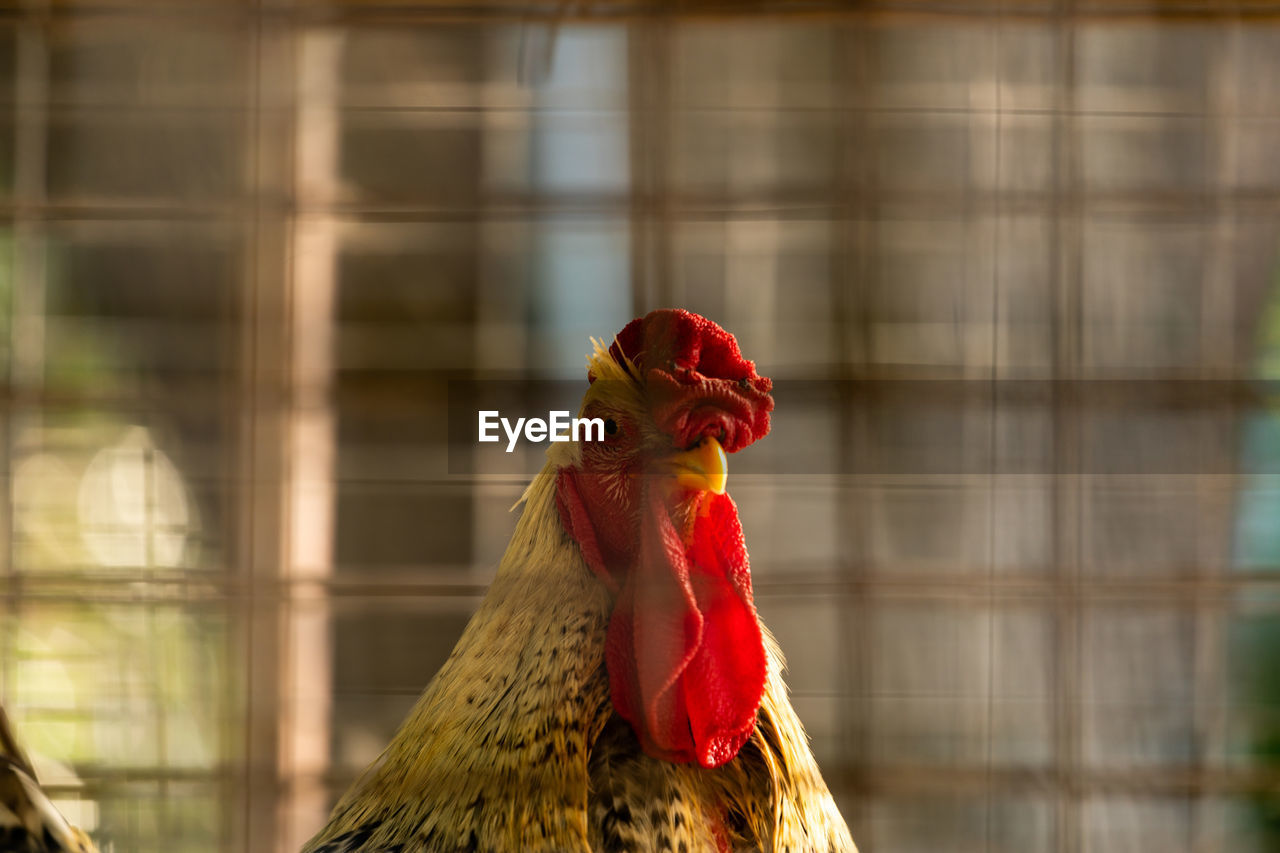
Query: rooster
[[29, 823], [616, 690]]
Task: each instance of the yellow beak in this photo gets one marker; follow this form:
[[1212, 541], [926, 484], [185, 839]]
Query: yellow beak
[[705, 467]]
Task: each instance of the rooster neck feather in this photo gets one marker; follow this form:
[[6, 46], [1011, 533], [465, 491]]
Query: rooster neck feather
[[514, 709]]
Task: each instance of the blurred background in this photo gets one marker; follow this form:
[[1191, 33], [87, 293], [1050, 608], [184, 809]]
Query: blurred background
[[1015, 267]]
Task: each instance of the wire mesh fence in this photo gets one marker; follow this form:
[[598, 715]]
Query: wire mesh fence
[[1012, 265]]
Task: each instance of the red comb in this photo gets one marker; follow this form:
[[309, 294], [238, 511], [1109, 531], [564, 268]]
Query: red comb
[[673, 351], [675, 340]]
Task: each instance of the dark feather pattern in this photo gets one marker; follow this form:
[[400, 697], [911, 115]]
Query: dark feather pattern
[[354, 840]]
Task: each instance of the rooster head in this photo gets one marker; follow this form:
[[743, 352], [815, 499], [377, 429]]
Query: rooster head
[[648, 509]]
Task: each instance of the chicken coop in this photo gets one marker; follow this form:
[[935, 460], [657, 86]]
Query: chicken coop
[[1012, 265]]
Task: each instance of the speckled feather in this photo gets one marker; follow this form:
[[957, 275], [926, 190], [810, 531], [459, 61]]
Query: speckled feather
[[29, 823], [514, 746]]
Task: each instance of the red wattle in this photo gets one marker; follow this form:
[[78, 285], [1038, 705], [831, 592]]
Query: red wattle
[[685, 656], [684, 651]]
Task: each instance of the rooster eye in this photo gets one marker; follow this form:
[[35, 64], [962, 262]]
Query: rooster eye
[[744, 383], [611, 426]]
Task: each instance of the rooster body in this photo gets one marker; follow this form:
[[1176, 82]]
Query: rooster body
[[520, 742], [29, 822]]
